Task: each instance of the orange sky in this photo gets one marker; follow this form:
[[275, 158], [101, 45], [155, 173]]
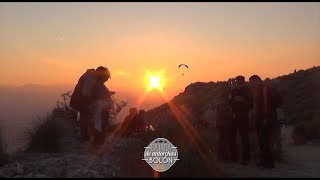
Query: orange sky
[[53, 43]]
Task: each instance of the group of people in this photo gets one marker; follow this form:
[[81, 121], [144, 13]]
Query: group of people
[[256, 100], [134, 123], [93, 101]]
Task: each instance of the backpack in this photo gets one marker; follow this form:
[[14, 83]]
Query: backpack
[[271, 99], [82, 95]]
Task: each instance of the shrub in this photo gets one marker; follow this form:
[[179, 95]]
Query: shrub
[[63, 108], [43, 135], [4, 157]]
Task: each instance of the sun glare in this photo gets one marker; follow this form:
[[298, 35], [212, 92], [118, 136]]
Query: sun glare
[[154, 81]]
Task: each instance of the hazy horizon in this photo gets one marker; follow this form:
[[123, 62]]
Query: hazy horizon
[[21, 105]]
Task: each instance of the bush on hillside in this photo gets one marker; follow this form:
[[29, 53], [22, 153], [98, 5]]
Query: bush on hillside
[[4, 157], [43, 135]]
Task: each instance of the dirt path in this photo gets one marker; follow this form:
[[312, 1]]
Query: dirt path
[[299, 161]]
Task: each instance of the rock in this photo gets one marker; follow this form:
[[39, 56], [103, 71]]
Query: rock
[[40, 176], [19, 176], [54, 171], [28, 168], [30, 175], [93, 174], [8, 172], [73, 173], [19, 169], [53, 162]]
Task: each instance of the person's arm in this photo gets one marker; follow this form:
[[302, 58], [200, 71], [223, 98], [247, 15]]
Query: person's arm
[[107, 98]]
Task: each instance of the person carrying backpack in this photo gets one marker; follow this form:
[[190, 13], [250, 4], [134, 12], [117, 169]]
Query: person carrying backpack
[[240, 103], [81, 98], [266, 101], [101, 106]]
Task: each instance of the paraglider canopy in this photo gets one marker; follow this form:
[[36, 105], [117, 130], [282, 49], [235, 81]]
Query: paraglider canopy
[[183, 65]]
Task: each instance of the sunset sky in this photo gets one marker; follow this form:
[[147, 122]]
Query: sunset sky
[[54, 43]]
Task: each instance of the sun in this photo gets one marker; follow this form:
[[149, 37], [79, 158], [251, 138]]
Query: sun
[[154, 81]]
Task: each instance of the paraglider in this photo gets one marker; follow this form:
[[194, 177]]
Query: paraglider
[[183, 65]]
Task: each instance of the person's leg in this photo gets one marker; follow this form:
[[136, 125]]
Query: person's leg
[[244, 131], [224, 144], [259, 140], [267, 159], [99, 138], [270, 158], [100, 135], [262, 145], [255, 147], [219, 144], [276, 143], [232, 134], [84, 123], [228, 148]]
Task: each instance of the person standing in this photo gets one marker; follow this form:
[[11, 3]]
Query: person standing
[[101, 106], [82, 98], [240, 103], [266, 101]]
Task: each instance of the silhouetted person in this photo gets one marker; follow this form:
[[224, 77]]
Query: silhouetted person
[[127, 127], [266, 100], [81, 99], [229, 81], [101, 106], [240, 103], [295, 71], [226, 140], [140, 125]]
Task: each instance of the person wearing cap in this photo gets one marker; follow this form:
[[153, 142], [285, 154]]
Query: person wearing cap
[[266, 101], [240, 103]]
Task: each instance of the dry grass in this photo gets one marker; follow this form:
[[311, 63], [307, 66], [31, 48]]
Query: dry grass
[[43, 135], [4, 157]]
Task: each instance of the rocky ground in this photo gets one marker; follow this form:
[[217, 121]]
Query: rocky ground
[[297, 161], [125, 160], [78, 160]]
